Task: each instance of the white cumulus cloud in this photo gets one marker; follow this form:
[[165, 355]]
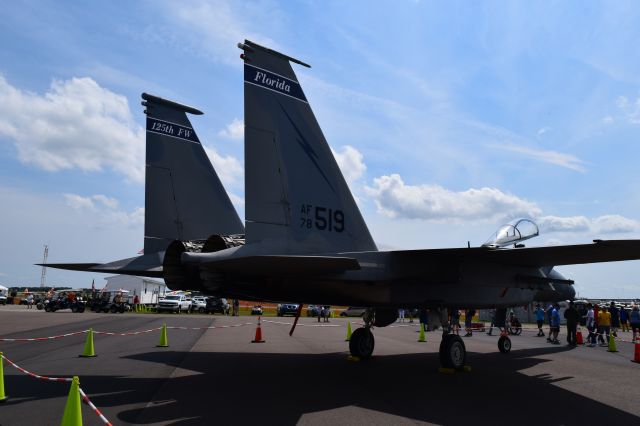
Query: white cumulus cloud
[[396, 199], [228, 168], [76, 124], [351, 163], [606, 224], [233, 130], [105, 210]]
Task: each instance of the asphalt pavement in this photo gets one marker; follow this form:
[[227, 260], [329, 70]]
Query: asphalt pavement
[[217, 376]]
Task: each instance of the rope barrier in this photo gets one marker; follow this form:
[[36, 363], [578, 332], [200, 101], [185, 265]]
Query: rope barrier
[[95, 409], [131, 333], [36, 376], [37, 339]]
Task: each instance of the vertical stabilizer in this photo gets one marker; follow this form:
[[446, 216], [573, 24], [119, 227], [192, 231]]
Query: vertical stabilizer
[[296, 197], [184, 198]]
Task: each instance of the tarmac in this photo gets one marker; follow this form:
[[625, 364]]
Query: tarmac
[[217, 376]]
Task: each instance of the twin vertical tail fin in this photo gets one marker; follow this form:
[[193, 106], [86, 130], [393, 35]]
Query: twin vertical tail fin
[[297, 200], [184, 198]]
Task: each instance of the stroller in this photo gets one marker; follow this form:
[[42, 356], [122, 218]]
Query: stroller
[[514, 327]]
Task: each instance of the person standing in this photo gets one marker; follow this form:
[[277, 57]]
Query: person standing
[[604, 326], [555, 324], [236, 307], [591, 325], [572, 316], [615, 319], [549, 312], [539, 320], [634, 321], [400, 315], [493, 321], [30, 301], [624, 318], [468, 320]]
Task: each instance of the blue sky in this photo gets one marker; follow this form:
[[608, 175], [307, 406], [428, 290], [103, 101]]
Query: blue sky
[[448, 118]]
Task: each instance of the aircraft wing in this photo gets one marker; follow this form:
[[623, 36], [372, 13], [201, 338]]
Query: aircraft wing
[[283, 265], [143, 266], [599, 251]]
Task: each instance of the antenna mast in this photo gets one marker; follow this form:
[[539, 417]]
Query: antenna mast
[[44, 268]]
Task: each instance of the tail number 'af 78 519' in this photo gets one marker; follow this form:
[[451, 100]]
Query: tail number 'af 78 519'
[[321, 218]]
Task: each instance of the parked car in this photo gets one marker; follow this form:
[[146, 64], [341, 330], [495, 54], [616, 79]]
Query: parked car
[[256, 310], [199, 304], [217, 305], [287, 309], [3, 299], [353, 312], [174, 303], [313, 310]]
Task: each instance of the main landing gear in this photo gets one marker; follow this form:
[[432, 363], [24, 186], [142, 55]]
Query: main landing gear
[[453, 354], [362, 342]]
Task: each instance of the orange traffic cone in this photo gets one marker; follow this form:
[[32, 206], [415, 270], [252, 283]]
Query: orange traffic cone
[[636, 355], [258, 338], [579, 340]]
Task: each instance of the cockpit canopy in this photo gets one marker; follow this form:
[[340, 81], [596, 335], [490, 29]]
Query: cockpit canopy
[[512, 233]]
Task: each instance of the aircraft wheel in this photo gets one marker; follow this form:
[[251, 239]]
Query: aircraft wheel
[[453, 353], [504, 344], [362, 343]]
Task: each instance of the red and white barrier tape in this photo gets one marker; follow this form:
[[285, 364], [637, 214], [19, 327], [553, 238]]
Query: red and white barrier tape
[[170, 327], [36, 339], [302, 324], [36, 376], [132, 333], [95, 409]]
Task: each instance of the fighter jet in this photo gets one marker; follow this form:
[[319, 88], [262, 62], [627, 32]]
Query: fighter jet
[[307, 242]]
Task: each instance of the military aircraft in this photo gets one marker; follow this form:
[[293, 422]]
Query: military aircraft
[[305, 239]]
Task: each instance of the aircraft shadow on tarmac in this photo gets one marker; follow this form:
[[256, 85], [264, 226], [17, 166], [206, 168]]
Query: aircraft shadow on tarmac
[[239, 388], [259, 387]]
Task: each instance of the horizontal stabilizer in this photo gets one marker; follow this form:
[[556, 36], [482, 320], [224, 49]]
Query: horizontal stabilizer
[[284, 265], [149, 265], [599, 251]]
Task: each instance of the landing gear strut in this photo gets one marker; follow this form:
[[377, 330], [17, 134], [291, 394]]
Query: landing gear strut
[[362, 342]]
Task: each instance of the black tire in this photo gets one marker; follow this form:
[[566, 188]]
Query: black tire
[[362, 343], [504, 344], [47, 308], [113, 309], [453, 353], [201, 310], [81, 308], [121, 309], [74, 309]]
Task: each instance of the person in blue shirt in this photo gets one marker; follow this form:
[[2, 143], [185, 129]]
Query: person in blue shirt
[[549, 312], [539, 319], [555, 324]]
